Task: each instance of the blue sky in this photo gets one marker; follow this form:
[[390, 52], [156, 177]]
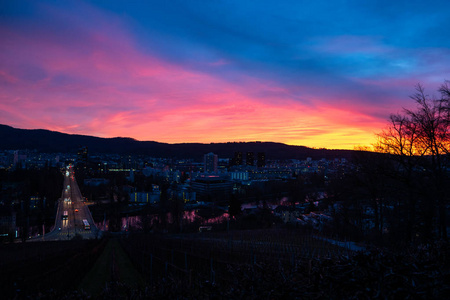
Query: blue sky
[[314, 73]]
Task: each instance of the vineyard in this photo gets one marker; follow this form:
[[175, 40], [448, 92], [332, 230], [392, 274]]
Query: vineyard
[[273, 264], [253, 264], [31, 268]]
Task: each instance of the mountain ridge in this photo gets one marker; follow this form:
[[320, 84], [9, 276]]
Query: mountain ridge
[[44, 140]]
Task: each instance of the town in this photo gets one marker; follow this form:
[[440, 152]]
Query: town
[[201, 193], [234, 227]]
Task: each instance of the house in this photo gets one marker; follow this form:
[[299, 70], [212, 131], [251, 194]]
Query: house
[[288, 214]]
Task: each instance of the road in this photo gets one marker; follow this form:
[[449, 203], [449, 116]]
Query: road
[[72, 201]]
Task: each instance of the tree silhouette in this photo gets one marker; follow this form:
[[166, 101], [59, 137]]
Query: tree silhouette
[[235, 205], [418, 140]]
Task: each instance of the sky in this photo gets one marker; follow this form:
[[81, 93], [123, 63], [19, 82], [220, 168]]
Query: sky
[[313, 73]]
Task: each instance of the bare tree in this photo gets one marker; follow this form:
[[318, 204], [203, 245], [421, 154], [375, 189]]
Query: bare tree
[[433, 121], [419, 141], [401, 141]]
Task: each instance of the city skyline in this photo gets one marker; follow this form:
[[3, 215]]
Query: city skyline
[[313, 74]]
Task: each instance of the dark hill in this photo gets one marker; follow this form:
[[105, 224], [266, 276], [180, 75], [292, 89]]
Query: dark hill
[[52, 141]]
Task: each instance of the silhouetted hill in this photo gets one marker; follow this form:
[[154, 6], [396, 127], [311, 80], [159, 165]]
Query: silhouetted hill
[[52, 141]]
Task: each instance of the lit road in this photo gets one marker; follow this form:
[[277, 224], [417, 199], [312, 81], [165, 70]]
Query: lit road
[[71, 201]]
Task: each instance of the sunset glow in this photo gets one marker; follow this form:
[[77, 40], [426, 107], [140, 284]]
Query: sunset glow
[[217, 71]]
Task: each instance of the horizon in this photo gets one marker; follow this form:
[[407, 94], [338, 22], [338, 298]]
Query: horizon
[[205, 143], [318, 75]]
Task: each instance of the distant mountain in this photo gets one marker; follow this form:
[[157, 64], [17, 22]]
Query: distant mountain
[[52, 141]]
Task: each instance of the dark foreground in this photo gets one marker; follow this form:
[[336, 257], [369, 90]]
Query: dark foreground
[[262, 264]]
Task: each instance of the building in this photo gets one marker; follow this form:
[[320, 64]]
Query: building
[[239, 175], [288, 214], [152, 196], [7, 222], [210, 163], [19, 158], [96, 181], [212, 187], [237, 159], [271, 173], [261, 161], [82, 155], [183, 192], [250, 161]]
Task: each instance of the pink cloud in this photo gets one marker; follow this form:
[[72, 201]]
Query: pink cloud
[[99, 83]]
